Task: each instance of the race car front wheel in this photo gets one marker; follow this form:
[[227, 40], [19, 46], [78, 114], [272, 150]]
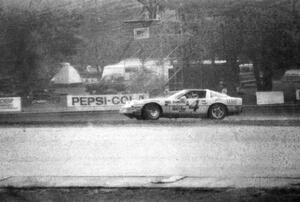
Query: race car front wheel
[[217, 111], [151, 112]]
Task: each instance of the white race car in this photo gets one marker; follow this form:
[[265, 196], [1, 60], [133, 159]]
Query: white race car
[[184, 103]]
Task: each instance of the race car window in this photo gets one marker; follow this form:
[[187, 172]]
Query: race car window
[[217, 95], [201, 94], [195, 94], [177, 95], [188, 95]]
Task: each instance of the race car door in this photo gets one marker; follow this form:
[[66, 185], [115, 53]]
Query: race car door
[[197, 103], [189, 104], [178, 106]]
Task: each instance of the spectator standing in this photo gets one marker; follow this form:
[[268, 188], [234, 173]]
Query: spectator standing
[[222, 87]]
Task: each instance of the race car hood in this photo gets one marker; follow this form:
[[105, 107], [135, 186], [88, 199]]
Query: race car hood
[[145, 101]]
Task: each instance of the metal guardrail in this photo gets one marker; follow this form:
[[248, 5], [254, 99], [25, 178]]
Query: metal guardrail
[[292, 109]]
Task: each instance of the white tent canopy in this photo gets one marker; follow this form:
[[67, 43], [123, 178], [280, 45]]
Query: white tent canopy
[[67, 75]]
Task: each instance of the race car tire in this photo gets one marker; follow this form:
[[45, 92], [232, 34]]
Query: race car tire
[[151, 112], [217, 111]]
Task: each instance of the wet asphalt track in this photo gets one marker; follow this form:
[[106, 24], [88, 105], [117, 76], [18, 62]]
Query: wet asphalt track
[[150, 150], [263, 144], [257, 117]]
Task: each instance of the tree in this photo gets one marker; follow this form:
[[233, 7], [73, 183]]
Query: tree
[[105, 37], [147, 82], [264, 32], [33, 43], [268, 36]]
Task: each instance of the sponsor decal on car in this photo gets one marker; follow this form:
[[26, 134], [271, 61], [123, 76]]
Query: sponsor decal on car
[[203, 102], [232, 102], [167, 103], [178, 102], [179, 108]]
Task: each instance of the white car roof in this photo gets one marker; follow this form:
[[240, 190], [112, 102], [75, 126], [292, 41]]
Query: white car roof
[[292, 72]]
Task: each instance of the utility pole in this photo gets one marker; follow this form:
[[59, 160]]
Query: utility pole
[[183, 53], [161, 52]]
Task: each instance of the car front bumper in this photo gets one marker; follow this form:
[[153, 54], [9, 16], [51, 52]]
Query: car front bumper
[[131, 111]]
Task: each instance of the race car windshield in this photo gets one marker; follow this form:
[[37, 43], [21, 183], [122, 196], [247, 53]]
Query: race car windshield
[[177, 94], [216, 94]]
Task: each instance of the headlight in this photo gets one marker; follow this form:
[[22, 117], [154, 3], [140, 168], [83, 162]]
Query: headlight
[[132, 103], [129, 104]]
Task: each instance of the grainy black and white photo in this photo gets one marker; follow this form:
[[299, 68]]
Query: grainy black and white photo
[[149, 100]]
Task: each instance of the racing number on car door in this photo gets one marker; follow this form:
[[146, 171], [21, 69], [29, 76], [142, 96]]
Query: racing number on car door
[[197, 102], [190, 103], [193, 105]]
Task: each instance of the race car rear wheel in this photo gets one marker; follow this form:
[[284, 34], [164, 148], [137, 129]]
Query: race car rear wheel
[[217, 111], [151, 112]]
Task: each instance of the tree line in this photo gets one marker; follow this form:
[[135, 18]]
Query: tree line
[[264, 32]]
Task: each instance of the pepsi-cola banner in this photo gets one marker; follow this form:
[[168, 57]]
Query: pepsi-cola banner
[[101, 102], [10, 104]]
